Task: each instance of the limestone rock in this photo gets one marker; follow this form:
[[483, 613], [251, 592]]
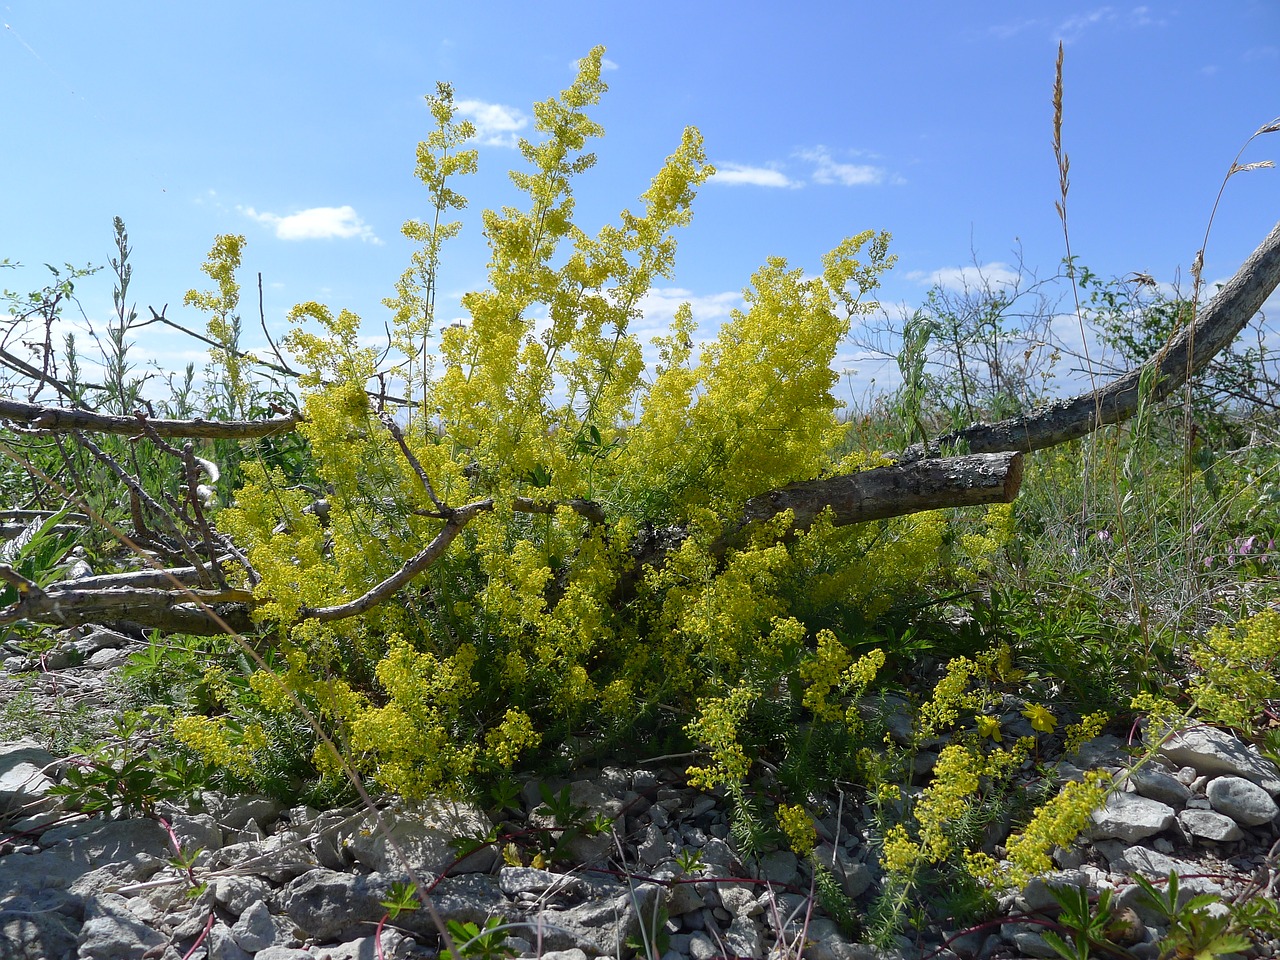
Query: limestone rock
[[23, 782], [1158, 785], [598, 926], [423, 832], [35, 929], [1213, 751], [1129, 817], [1242, 800], [1210, 825]]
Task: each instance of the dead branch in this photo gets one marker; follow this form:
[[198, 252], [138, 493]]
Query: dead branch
[[877, 494], [179, 599], [896, 490], [64, 420], [457, 519], [174, 607], [1189, 352]]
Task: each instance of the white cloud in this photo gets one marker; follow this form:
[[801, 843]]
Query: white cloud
[[737, 174], [658, 308], [497, 125], [1072, 27], [1007, 31], [827, 171], [972, 277], [316, 223]]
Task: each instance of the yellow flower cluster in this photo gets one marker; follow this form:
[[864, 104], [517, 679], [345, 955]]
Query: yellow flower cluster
[[1237, 670], [798, 827], [1056, 824], [821, 675], [1089, 728], [950, 696], [210, 739], [716, 727]]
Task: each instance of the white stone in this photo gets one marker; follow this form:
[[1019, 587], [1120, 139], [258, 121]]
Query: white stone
[[1212, 751], [1210, 825], [1129, 817], [1242, 800], [423, 832]]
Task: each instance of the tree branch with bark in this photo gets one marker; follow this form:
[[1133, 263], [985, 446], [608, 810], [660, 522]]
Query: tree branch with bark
[[182, 599]]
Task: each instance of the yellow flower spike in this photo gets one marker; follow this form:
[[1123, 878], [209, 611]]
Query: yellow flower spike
[[990, 727], [1041, 719], [798, 827]]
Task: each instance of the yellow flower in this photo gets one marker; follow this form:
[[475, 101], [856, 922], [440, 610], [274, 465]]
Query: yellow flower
[[989, 727], [798, 827], [1041, 719]]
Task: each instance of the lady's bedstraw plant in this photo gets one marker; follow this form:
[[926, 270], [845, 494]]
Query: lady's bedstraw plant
[[532, 629]]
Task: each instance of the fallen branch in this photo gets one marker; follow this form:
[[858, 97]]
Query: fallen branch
[[65, 420], [990, 473], [877, 494], [1189, 352]]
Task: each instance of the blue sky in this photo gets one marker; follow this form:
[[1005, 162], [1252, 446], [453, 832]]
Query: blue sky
[[295, 124]]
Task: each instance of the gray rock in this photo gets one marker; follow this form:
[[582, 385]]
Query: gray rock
[[395, 946], [573, 953], [1026, 938], [739, 898], [1242, 800], [222, 946], [284, 953], [779, 867], [101, 638], [655, 848], [255, 930], [1107, 750], [196, 831], [423, 832], [702, 947], [975, 945], [113, 933], [1133, 897], [1129, 817], [326, 838], [1210, 825], [1038, 894], [1212, 751], [716, 853], [683, 898], [23, 783], [278, 859], [599, 925], [110, 841], [35, 929], [1158, 785], [238, 894], [239, 812], [1150, 864], [470, 898], [85, 856], [323, 903], [543, 886], [854, 877], [744, 938], [106, 659]]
